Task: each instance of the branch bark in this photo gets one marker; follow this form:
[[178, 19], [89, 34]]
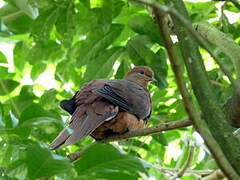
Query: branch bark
[[187, 164], [223, 42], [201, 86], [134, 133], [215, 175], [213, 113]]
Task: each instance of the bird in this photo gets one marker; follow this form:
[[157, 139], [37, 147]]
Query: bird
[[105, 107]]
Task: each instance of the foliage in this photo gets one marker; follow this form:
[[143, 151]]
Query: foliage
[[60, 45]]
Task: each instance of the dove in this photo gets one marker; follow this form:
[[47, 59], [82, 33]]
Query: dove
[[104, 107]]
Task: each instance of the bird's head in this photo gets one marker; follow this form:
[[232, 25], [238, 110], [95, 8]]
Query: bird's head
[[141, 75]]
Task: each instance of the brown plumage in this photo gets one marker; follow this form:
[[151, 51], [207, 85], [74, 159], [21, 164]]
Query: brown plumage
[[104, 107]]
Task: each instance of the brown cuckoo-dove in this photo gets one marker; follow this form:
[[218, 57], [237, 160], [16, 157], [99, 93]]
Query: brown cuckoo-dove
[[105, 107]]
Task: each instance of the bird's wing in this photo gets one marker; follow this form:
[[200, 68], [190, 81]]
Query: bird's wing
[[108, 93], [128, 95], [90, 113]]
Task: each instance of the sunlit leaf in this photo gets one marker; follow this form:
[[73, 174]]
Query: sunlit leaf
[[100, 159], [41, 163], [3, 58], [37, 70], [91, 47], [7, 86], [140, 54], [143, 24]]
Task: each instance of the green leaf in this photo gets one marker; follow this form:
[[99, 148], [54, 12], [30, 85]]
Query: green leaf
[[26, 8], [35, 114], [104, 15], [201, 11], [14, 120], [94, 45], [66, 24], [101, 66], [3, 58], [48, 99], [25, 98], [18, 23], [7, 86], [122, 69], [183, 157], [160, 138], [140, 54], [41, 163], [20, 52], [143, 24], [5, 154], [43, 25], [4, 74], [117, 7], [100, 159], [37, 70]]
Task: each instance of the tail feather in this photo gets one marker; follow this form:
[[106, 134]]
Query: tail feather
[[59, 140]]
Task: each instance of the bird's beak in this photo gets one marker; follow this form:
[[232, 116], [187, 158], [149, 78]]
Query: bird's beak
[[154, 81]]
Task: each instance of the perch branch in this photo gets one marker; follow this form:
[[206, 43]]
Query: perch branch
[[134, 133]]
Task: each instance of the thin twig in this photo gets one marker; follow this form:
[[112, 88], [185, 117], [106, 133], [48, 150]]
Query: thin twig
[[235, 2], [77, 155], [187, 172], [187, 164], [215, 175]]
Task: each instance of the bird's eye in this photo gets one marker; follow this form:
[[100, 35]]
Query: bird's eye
[[141, 72]]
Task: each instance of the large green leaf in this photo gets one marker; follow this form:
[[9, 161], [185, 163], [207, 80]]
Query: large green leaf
[[143, 24], [95, 43], [7, 86], [20, 52], [104, 15], [140, 54], [43, 25], [201, 11], [41, 163], [35, 114], [66, 24], [37, 70], [48, 99], [3, 58], [100, 159], [102, 66], [122, 69], [24, 99], [26, 8]]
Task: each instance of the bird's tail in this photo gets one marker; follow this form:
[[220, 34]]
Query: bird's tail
[[60, 139]]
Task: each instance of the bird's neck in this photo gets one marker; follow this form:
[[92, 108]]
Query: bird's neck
[[140, 82]]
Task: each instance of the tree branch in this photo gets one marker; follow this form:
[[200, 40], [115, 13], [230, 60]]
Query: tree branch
[[215, 175], [149, 131], [187, 164], [192, 57], [232, 109], [235, 2], [193, 33], [134, 133], [222, 41]]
